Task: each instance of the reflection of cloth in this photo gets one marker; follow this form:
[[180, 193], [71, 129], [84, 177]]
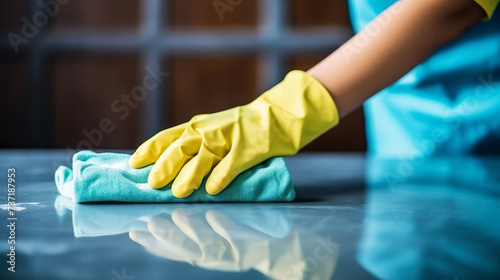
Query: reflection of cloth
[[107, 177], [447, 104], [437, 219], [110, 219]]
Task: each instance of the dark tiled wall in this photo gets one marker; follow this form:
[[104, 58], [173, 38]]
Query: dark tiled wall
[[75, 88]]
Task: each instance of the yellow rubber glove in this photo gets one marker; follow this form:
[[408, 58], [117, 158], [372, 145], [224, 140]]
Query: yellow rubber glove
[[278, 123]]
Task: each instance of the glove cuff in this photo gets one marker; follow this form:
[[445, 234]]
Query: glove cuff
[[302, 107]]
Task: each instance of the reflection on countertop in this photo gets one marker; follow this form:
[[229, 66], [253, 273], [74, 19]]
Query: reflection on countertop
[[354, 218], [224, 237], [434, 218]]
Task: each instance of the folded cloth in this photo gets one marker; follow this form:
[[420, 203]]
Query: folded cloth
[[108, 177]]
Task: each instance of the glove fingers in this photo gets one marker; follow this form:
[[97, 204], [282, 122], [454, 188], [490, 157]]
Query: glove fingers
[[175, 244], [223, 225], [142, 237], [173, 159], [150, 243], [191, 224], [149, 152], [192, 174], [224, 173], [237, 236]]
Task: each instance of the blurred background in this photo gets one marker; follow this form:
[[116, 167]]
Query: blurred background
[[108, 74]]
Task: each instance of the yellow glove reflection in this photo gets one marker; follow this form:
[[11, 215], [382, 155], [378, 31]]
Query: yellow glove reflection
[[213, 241], [280, 122]]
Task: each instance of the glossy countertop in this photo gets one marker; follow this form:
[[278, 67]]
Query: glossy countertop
[[354, 217]]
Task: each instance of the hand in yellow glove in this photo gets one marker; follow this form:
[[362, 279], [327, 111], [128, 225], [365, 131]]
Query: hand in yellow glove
[[278, 123]]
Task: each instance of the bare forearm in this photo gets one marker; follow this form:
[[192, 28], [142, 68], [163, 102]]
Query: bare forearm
[[394, 43]]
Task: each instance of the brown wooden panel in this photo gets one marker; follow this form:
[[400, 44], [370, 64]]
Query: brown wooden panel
[[99, 14], [207, 84], [349, 135], [88, 90], [14, 103], [205, 14], [11, 14], [313, 13]]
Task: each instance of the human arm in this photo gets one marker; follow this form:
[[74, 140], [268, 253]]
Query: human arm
[[408, 32]]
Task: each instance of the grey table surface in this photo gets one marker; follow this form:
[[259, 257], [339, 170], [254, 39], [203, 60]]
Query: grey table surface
[[355, 217]]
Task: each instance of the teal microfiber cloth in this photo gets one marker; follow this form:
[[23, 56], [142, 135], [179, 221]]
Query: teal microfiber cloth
[[98, 177]]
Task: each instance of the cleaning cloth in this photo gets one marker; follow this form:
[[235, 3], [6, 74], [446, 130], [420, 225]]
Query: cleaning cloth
[[107, 177]]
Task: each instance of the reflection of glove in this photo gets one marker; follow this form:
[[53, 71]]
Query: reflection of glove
[[279, 122], [187, 237], [217, 242]]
